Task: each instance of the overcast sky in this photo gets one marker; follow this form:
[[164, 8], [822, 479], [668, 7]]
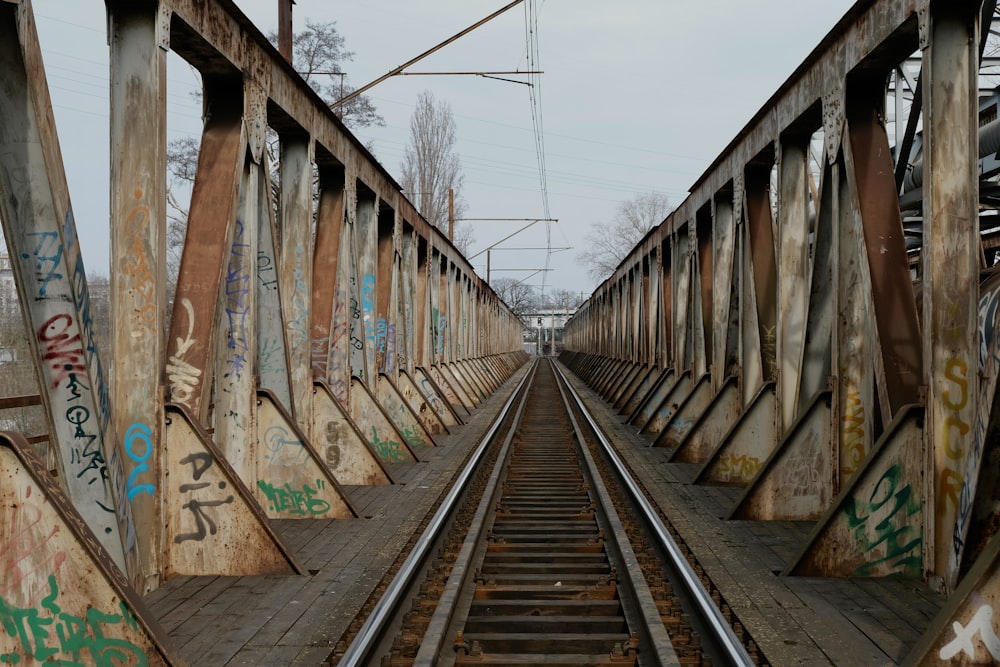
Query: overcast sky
[[636, 96]]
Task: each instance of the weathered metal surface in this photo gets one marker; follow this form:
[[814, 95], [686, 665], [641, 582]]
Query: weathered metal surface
[[234, 413], [746, 446], [664, 412], [708, 430], [64, 600], [964, 632], [643, 383], [636, 377], [442, 374], [762, 269], [688, 412], [797, 482], [399, 412], [617, 389], [296, 267], [725, 301], [434, 397], [794, 180], [469, 383], [875, 527], [274, 341], [444, 389], [854, 330], [212, 523], [422, 406], [342, 447], [138, 260], [951, 266], [892, 300], [41, 237], [654, 397], [293, 482], [380, 432]]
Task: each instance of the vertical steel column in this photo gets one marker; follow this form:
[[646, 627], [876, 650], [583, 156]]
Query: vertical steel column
[[681, 268], [295, 225], [139, 38], [951, 272], [329, 309], [793, 270], [706, 275], [386, 277], [763, 266], [725, 301], [365, 250]]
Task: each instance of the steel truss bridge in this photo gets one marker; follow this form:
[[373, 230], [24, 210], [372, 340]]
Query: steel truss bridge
[[815, 322]]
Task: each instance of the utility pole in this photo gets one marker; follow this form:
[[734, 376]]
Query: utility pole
[[451, 215], [285, 29]]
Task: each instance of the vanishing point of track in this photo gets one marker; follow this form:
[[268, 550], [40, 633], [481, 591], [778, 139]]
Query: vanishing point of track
[[546, 552]]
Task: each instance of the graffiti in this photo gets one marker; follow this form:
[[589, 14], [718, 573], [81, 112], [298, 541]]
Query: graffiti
[[955, 431], [299, 321], [24, 553], [60, 346], [368, 301], [283, 449], [432, 397], [739, 467], [49, 634], [412, 436], [182, 376], [390, 352], [989, 366], [389, 450], [442, 325], [48, 256], [292, 500], [799, 476], [200, 463], [964, 641], [238, 303], [142, 285], [78, 286], [332, 433], [271, 356], [769, 349], [852, 431], [267, 277], [881, 522], [91, 453], [142, 435], [381, 333]]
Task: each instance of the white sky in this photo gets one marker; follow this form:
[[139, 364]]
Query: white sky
[[637, 96]]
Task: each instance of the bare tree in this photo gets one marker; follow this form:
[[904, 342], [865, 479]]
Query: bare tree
[[317, 55], [518, 296], [431, 167], [609, 243]]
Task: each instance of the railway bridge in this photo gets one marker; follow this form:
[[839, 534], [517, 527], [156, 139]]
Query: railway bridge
[[799, 364]]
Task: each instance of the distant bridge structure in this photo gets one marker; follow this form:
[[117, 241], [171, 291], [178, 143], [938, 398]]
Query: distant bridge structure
[[815, 324], [314, 338], [817, 321]]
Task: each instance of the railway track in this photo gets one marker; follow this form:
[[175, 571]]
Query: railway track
[[535, 559]]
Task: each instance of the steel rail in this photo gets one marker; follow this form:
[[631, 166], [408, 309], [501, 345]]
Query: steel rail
[[660, 646], [736, 653], [435, 637], [364, 640]]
